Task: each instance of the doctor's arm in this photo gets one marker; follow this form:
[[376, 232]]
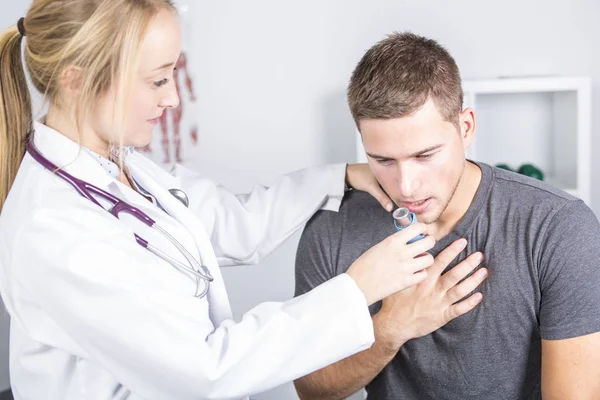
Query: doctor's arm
[[129, 311], [135, 315], [244, 228], [569, 317]]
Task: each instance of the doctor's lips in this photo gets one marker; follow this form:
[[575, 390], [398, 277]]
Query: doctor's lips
[[154, 121]]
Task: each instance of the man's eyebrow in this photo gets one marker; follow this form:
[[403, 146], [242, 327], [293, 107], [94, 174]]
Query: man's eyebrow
[[373, 155], [420, 152], [427, 150]]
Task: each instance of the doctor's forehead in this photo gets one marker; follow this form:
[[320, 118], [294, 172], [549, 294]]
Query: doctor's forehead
[[162, 43]]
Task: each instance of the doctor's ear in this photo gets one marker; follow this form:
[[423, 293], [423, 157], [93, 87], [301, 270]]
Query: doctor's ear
[[71, 78]]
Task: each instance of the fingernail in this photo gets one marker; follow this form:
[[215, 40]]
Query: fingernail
[[389, 207], [483, 273], [462, 242]]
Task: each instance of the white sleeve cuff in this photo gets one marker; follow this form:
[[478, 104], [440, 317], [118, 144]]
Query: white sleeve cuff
[[337, 174]]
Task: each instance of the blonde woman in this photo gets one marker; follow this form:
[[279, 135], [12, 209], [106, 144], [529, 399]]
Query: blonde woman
[[134, 307]]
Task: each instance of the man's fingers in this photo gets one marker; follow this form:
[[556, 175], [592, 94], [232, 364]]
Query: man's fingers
[[460, 271], [467, 286], [463, 307], [447, 255]]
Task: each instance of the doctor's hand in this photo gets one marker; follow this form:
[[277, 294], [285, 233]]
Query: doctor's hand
[[426, 307], [360, 177], [393, 265]]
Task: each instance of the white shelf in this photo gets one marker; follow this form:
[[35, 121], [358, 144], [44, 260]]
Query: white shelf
[[525, 85], [542, 120]]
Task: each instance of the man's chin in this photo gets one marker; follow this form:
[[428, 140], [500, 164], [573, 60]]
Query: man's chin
[[429, 216], [426, 219]]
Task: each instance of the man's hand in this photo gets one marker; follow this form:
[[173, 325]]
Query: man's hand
[[421, 309], [411, 313]]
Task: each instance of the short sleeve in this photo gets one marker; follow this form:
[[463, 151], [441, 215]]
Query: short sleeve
[[569, 272]]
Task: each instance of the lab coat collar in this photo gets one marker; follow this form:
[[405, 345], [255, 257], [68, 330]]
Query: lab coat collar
[[69, 156]]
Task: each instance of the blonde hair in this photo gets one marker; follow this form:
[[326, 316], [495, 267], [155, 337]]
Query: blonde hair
[[101, 38]]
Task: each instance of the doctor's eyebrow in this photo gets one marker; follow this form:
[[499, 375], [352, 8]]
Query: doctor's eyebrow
[[164, 66]]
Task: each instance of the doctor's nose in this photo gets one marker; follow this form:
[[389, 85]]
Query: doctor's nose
[[171, 98]]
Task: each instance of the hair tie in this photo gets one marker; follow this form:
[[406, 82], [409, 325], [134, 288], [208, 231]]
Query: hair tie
[[21, 27]]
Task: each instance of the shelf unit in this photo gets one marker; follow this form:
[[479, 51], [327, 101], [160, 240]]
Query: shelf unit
[[545, 121]]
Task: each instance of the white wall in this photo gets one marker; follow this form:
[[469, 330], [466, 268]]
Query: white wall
[[271, 78]]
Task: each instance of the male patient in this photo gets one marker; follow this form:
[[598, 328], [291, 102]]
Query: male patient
[[536, 331]]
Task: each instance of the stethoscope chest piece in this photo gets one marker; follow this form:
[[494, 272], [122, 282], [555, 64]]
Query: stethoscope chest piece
[[181, 196]]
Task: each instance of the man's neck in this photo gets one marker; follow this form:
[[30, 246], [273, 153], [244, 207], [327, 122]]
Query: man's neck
[[460, 202]]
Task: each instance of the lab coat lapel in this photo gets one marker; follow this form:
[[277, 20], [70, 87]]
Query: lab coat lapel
[[157, 182], [71, 157]]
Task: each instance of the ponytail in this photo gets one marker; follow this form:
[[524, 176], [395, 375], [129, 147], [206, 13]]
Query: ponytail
[[15, 109]]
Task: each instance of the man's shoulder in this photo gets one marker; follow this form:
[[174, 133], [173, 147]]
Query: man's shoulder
[[359, 202], [523, 195], [527, 189], [358, 208]]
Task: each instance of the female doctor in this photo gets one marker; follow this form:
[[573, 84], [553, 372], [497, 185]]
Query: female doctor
[[134, 307]]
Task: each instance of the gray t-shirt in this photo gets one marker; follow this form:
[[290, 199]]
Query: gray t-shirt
[[541, 249]]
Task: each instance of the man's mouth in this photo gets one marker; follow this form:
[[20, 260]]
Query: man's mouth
[[418, 206]]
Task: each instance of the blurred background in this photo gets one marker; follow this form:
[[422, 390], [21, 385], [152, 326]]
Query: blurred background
[[269, 80]]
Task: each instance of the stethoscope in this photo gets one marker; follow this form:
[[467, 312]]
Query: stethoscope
[[88, 191]]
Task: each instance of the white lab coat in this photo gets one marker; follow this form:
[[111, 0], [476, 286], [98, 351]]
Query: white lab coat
[[96, 316]]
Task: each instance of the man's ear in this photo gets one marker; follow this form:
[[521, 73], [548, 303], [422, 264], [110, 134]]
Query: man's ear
[[467, 125]]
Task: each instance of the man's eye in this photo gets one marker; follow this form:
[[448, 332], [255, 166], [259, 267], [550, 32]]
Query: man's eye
[[425, 156], [384, 161]]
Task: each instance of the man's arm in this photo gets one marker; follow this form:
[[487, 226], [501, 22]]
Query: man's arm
[[569, 310], [340, 380], [412, 313], [571, 368]]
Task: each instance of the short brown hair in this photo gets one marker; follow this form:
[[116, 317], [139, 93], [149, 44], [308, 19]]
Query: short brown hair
[[397, 75]]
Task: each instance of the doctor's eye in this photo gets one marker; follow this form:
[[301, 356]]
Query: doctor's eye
[[161, 83]]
